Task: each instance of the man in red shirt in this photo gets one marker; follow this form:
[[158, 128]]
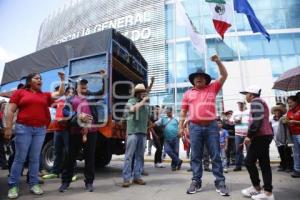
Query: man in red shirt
[[199, 102], [293, 120]]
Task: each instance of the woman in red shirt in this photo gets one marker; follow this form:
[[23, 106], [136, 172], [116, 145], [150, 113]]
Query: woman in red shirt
[[32, 119], [293, 120]]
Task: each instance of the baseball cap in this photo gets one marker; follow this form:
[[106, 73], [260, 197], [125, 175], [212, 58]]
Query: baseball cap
[[253, 89]]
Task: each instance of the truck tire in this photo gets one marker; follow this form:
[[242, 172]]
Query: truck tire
[[103, 152], [48, 155]]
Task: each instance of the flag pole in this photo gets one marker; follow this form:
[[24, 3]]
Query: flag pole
[[238, 48], [203, 34], [174, 59]]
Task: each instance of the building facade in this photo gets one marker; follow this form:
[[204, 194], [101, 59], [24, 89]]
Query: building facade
[[151, 24]]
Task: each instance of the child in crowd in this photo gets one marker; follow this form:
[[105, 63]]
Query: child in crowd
[[223, 144]]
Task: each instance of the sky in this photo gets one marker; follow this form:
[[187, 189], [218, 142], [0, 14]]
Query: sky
[[20, 21]]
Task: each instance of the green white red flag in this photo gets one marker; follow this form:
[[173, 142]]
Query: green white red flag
[[222, 12]]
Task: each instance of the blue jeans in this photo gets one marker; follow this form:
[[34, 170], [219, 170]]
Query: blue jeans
[[135, 147], [223, 158], [296, 149], [172, 149], [209, 135], [239, 147], [28, 141], [61, 143]]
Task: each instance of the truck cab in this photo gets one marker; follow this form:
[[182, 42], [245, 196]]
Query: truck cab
[[83, 58]]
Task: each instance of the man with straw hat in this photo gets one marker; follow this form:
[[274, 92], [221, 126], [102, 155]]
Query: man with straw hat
[[137, 109], [280, 133]]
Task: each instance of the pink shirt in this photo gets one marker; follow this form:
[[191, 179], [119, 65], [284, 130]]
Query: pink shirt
[[200, 103]]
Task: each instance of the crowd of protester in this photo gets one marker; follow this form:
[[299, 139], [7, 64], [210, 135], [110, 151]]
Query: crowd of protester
[[237, 138]]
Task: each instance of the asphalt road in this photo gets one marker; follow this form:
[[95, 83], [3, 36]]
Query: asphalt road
[[162, 184]]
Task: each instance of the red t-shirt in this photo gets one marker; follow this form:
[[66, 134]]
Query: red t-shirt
[[59, 124], [294, 114], [33, 107], [201, 103]]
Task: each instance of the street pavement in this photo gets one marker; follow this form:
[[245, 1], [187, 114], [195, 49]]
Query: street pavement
[[162, 184]]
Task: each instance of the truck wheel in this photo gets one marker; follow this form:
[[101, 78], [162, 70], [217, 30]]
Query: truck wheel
[[48, 155], [103, 152], [103, 159]]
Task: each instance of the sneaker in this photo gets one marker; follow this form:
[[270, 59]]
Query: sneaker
[[179, 165], [139, 182], [36, 189], [126, 184], [250, 191], [295, 174], [194, 187], [223, 190], [13, 193], [263, 196], [89, 187], [74, 178], [225, 170], [50, 176], [64, 187], [159, 165]]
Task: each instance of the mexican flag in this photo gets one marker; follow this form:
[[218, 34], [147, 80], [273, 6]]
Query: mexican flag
[[222, 15]]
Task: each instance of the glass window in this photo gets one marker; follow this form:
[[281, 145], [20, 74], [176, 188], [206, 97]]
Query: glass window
[[276, 65], [192, 9], [293, 16], [251, 46], [289, 62], [271, 48], [181, 71], [181, 52], [170, 53], [170, 32], [286, 44], [297, 42], [242, 23], [169, 12]]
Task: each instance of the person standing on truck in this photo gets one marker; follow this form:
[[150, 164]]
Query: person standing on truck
[[30, 129], [138, 115], [61, 135], [82, 134]]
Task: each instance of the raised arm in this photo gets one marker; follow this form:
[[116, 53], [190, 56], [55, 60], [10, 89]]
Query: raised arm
[[222, 69], [148, 89], [61, 89]]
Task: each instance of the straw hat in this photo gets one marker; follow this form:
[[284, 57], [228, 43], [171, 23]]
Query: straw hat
[[139, 88], [280, 108]]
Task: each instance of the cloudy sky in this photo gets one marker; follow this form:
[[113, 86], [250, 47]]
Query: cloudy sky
[[20, 21]]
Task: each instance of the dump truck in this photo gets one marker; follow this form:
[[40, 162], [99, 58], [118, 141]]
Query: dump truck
[[84, 58]]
